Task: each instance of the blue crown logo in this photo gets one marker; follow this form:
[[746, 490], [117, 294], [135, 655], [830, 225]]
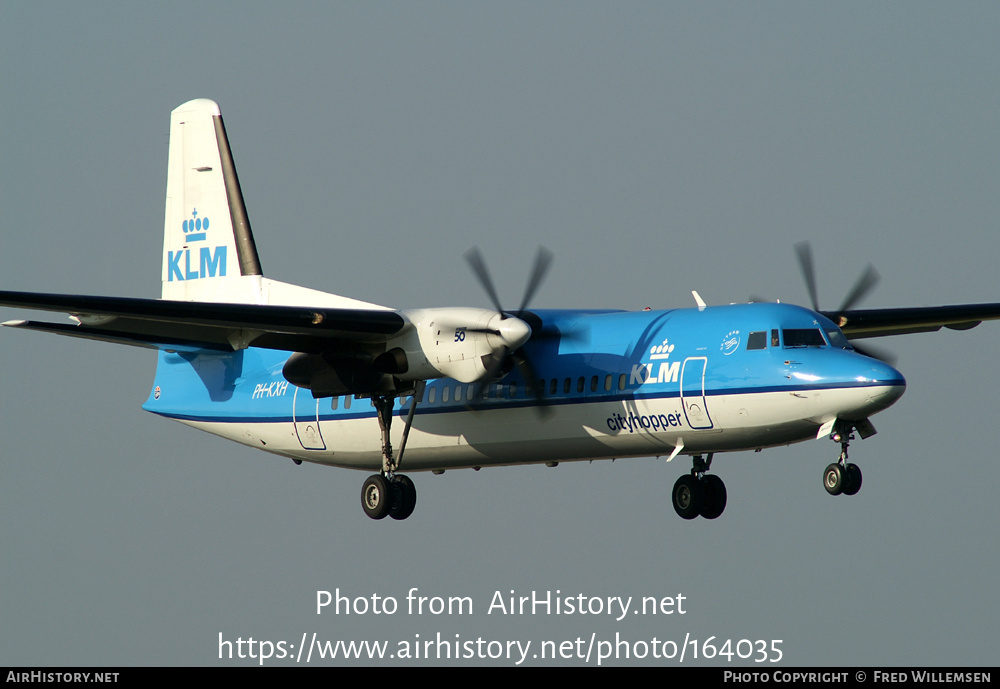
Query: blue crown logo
[[195, 228]]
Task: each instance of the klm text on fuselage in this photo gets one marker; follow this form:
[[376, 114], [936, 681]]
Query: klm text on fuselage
[[643, 373]]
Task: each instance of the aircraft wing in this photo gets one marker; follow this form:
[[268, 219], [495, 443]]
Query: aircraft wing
[[164, 324], [862, 323]]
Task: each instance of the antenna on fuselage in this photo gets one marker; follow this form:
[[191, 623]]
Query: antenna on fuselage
[[698, 300]]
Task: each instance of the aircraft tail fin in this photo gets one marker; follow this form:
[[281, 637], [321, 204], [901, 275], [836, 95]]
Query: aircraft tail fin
[[209, 254], [208, 248]]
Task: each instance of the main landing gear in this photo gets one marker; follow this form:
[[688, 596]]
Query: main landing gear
[[699, 493], [394, 496], [842, 477], [388, 493]]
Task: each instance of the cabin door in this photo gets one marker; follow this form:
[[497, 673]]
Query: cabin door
[[305, 418], [693, 392]]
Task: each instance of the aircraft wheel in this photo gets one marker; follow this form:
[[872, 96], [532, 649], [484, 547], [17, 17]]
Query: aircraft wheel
[[688, 496], [404, 497], [834, 479], [715, 496], [376, 497], [854, 480]]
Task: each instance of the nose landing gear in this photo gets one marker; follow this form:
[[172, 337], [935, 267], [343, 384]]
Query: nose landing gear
[[842, 477], [699, 493]]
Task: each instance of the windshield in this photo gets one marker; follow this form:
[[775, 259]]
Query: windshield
[[838, 339], [795, 337]]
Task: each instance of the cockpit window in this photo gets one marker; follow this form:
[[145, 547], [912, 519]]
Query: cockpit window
[[838, 339], [794, 337], [757, 340]]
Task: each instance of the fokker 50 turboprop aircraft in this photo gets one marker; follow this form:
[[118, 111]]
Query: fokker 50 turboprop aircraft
[[316, 377]]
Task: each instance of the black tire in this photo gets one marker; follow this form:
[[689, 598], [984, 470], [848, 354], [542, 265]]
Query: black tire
[[404, 497], [854, 480], [715, 496], [688, 497], [834, 479], [376, 497]]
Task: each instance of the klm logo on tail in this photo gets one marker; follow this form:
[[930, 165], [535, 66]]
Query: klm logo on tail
[[195, 229], [206, 264]]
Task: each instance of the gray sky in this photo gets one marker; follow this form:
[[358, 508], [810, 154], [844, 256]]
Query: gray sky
[[655, 148]]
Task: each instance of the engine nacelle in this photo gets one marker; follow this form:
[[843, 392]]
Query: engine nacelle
[[332, 376], [460, 343]]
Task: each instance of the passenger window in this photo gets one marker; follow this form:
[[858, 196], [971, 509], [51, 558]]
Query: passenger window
[[554, 386], [593, 384], [566, 386], [458, 393], [621, 381], [757, 340], [607, 383], [347, 401], [333, 402]]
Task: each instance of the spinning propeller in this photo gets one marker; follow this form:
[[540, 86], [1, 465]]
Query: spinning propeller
[[862, 286], [514, 331]]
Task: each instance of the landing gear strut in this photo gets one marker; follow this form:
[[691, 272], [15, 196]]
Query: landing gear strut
[[841, 477], [388, 493], [699, 493]]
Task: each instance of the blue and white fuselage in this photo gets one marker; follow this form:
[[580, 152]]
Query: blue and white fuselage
[[616, 384]]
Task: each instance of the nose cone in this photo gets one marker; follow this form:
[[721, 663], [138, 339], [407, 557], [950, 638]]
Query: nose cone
[[882, 383]]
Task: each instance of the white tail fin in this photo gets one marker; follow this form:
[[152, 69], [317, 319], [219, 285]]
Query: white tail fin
[[208, 249]]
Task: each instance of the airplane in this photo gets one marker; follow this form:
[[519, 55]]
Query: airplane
[[318, 377]]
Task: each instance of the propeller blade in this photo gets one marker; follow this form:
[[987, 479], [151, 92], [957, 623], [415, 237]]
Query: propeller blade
[[543, 259], [868, 279], [864, 285], [528, 373], [481, 387], [514, 331], [495, 365], [475, 259], [876, 353], [804, 251]]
